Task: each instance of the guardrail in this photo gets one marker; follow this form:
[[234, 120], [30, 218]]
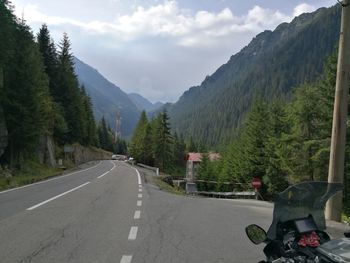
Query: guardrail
[[228, 194], [155, 169], [191, 188]]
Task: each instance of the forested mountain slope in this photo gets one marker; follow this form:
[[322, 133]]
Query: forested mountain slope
[[107, 98], [271, 65]]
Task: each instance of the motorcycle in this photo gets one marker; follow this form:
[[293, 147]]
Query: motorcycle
[[297, 233]]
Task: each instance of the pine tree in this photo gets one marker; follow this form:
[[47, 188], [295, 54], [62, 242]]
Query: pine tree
[[69, 94], [104, 136], [50, 59], [7, 33], [275, 177], [162, 142], [179, 150], [90, 135], [192, 147], [141, 148], [254, 139], [205, 173], [121, 147], [27, 103]]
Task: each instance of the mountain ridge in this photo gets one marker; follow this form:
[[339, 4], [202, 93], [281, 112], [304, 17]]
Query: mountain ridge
[[107, 98], [271, 65], [144, 104]]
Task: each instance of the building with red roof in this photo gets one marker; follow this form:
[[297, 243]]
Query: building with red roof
[[193, 161]]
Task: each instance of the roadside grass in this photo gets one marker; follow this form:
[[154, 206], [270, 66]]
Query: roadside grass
[[345, 219], [158, 181], [31, 172]]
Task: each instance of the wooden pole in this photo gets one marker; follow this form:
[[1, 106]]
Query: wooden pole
[[337, 155]]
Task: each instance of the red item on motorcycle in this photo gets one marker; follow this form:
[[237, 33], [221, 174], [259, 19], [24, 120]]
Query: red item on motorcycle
[[309, 240]]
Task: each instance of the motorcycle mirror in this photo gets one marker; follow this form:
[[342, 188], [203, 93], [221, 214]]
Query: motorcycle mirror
[[256, 234]]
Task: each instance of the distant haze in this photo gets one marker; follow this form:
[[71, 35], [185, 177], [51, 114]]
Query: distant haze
[[158, 48]]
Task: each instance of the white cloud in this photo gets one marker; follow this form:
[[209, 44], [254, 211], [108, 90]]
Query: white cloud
[[168, 20], [163, 49], [303, 8], [265, 18]]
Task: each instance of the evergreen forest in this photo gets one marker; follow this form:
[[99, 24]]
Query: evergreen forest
[[40, 96], [281, 142]]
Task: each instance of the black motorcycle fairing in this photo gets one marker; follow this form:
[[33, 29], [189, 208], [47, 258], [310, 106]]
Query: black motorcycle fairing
[[337, 249]]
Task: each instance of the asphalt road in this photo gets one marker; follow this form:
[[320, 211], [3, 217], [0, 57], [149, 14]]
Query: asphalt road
[[107, 213]]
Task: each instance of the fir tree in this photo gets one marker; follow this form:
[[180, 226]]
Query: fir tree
[[141, 147], [104, 136], [69, 96], [27, 103], [254, 139], [50, 59], [162, 142]]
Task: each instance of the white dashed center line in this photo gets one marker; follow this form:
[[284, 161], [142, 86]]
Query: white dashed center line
[[139, 195], [126, 259], [133, 233], [137, 214], [139, 203]]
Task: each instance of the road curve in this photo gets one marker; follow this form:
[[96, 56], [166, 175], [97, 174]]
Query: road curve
[[107, 213]]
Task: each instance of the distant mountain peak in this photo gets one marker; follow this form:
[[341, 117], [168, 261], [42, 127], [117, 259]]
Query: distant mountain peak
[[144, 104]]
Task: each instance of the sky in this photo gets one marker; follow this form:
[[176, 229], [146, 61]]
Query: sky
[[159, 48]]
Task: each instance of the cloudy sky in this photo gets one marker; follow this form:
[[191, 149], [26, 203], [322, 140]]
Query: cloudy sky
[[159, 48]]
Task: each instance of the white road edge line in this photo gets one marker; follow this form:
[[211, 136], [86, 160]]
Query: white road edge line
[[138, 177], [126, 259], [56, 178], [133, 233], [57, 196], [139, 203], [137, 214]]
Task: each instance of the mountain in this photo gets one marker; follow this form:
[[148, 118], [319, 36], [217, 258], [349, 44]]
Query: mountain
[[269, 66], [107, 98], [144, 104]]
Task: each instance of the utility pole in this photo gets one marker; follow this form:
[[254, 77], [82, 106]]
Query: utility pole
[[337, 155]]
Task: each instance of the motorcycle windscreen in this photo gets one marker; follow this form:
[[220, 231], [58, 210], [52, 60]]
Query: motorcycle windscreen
[[300, 201]]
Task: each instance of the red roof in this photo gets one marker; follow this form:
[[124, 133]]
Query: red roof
[[196, 157]]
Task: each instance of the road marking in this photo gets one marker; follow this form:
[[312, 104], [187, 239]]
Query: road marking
[[139, 203], [137, 214], [98, 177], [133, 233], [42, 182], [139, 195], [103, 174], [126, 259], [138, 177], [57, 196], [140, 189]]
